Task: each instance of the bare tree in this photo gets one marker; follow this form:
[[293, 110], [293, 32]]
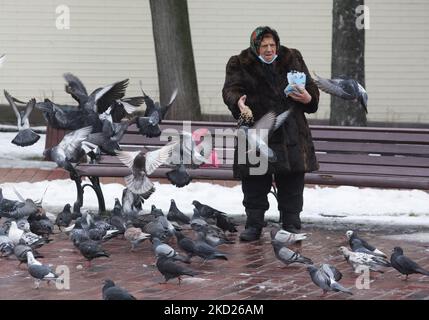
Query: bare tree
[[348, 59], [175, 58]]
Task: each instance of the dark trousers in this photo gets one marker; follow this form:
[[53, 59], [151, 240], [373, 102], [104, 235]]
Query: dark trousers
[[290, 189]]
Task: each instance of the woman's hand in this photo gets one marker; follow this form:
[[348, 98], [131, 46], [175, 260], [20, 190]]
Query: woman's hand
[[301, 95], [244, 109]]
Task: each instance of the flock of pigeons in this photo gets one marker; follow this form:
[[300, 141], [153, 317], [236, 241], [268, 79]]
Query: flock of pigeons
[[97, 124]]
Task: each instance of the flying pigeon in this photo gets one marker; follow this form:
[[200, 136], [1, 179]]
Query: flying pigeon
[[285, 237], [39, 271], [257, 135], [404, 264], [69, 150], [143, 165], [347, 89], [170, 270], [25, 136], [360, 245], [110, 291], [326, 278], [286, 255], [154, 114], [358, 259]]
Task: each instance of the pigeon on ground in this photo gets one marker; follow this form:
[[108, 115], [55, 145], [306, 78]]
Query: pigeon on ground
[[285, 237], [286, 255], [25, 136], [131, 203], [360, 245], [160, 228], [154, 114], [257, 136], [64, 218], [19, 236], [225, 223], [163, 249], [324, 277], [347, 89], [117, 220], [39, 271], [404, 264], [135, 236], [6, 205], [110, 291], [213, 239], [143, 165], [206, 211], [22, 209], [20, 252], [358, 259], [6, 246], [170, 270], [91, 249], [174, 214], [69, 150]]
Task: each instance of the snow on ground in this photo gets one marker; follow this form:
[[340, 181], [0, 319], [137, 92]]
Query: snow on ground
[[327, 205], [322, 205]]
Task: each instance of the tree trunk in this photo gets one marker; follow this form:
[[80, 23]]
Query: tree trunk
[[175, 58], [348, 59]]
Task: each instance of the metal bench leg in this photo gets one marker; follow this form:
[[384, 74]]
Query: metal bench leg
[[79, 188], [95, 185], [97, 188]]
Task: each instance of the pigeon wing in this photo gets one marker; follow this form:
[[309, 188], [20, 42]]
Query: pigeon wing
[[156, 158], [11, 101], [332, 86], [73, 140], [164, 109], [75, 88], [105, 96]]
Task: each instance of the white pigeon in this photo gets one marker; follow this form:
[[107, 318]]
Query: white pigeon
[[359, 259], [286, 237], [19, 236]]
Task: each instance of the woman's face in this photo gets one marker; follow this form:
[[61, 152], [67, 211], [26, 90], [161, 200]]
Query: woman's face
[[268, 48]]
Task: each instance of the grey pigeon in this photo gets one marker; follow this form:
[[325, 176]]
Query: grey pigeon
[[361, 259], [131, 202], [213, 239], [174, 214], [25, 136], [257, 136], [149, 124], [170, 270], [69, 150], [285, 237], [6, 246], [347, 89], [91, 250], [225, 223], [6, 205], [64, 218], [288, 256], [163, 249], [117, 219], [206, 211], [324, 277], [358, 244], [39, 271], [20, 252], [143, 165], [404, 264], [111, 291]]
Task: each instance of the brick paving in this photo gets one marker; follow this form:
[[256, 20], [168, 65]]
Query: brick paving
[[252, 271]]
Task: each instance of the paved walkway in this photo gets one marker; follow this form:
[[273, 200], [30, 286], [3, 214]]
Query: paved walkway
[[252, 272]]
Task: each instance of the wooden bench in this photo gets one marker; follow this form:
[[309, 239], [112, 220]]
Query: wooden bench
[[355, 156]]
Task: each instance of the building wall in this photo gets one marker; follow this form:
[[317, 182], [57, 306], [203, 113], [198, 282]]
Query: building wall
[[110, 40]]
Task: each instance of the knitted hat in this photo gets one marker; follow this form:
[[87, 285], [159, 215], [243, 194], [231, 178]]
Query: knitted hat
[[257, 36]]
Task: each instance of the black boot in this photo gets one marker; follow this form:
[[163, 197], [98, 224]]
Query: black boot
[[291, 222], [254, 225]]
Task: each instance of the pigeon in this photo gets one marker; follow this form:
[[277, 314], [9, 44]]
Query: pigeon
[[154, 114], [39, 271], [213, 239], [163, 249], [324, 277], [22, 209], [131, 203], [170, 270], [187, 154], [117, 220], [285, 237], [358, 259], [64, 218], [286, 255], [206, 211], [18, 236], [257, 135], [121, 107], [143, 165], [108, 139], [42, 227], [225, 223], [347, 89], [135, 236], [25, 136], [20, 252], [404, 264], [360, 245], [69, 150], [91, 249], [6, 246], [110, 291], [160, 228], [174, 214], [6, 205]]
